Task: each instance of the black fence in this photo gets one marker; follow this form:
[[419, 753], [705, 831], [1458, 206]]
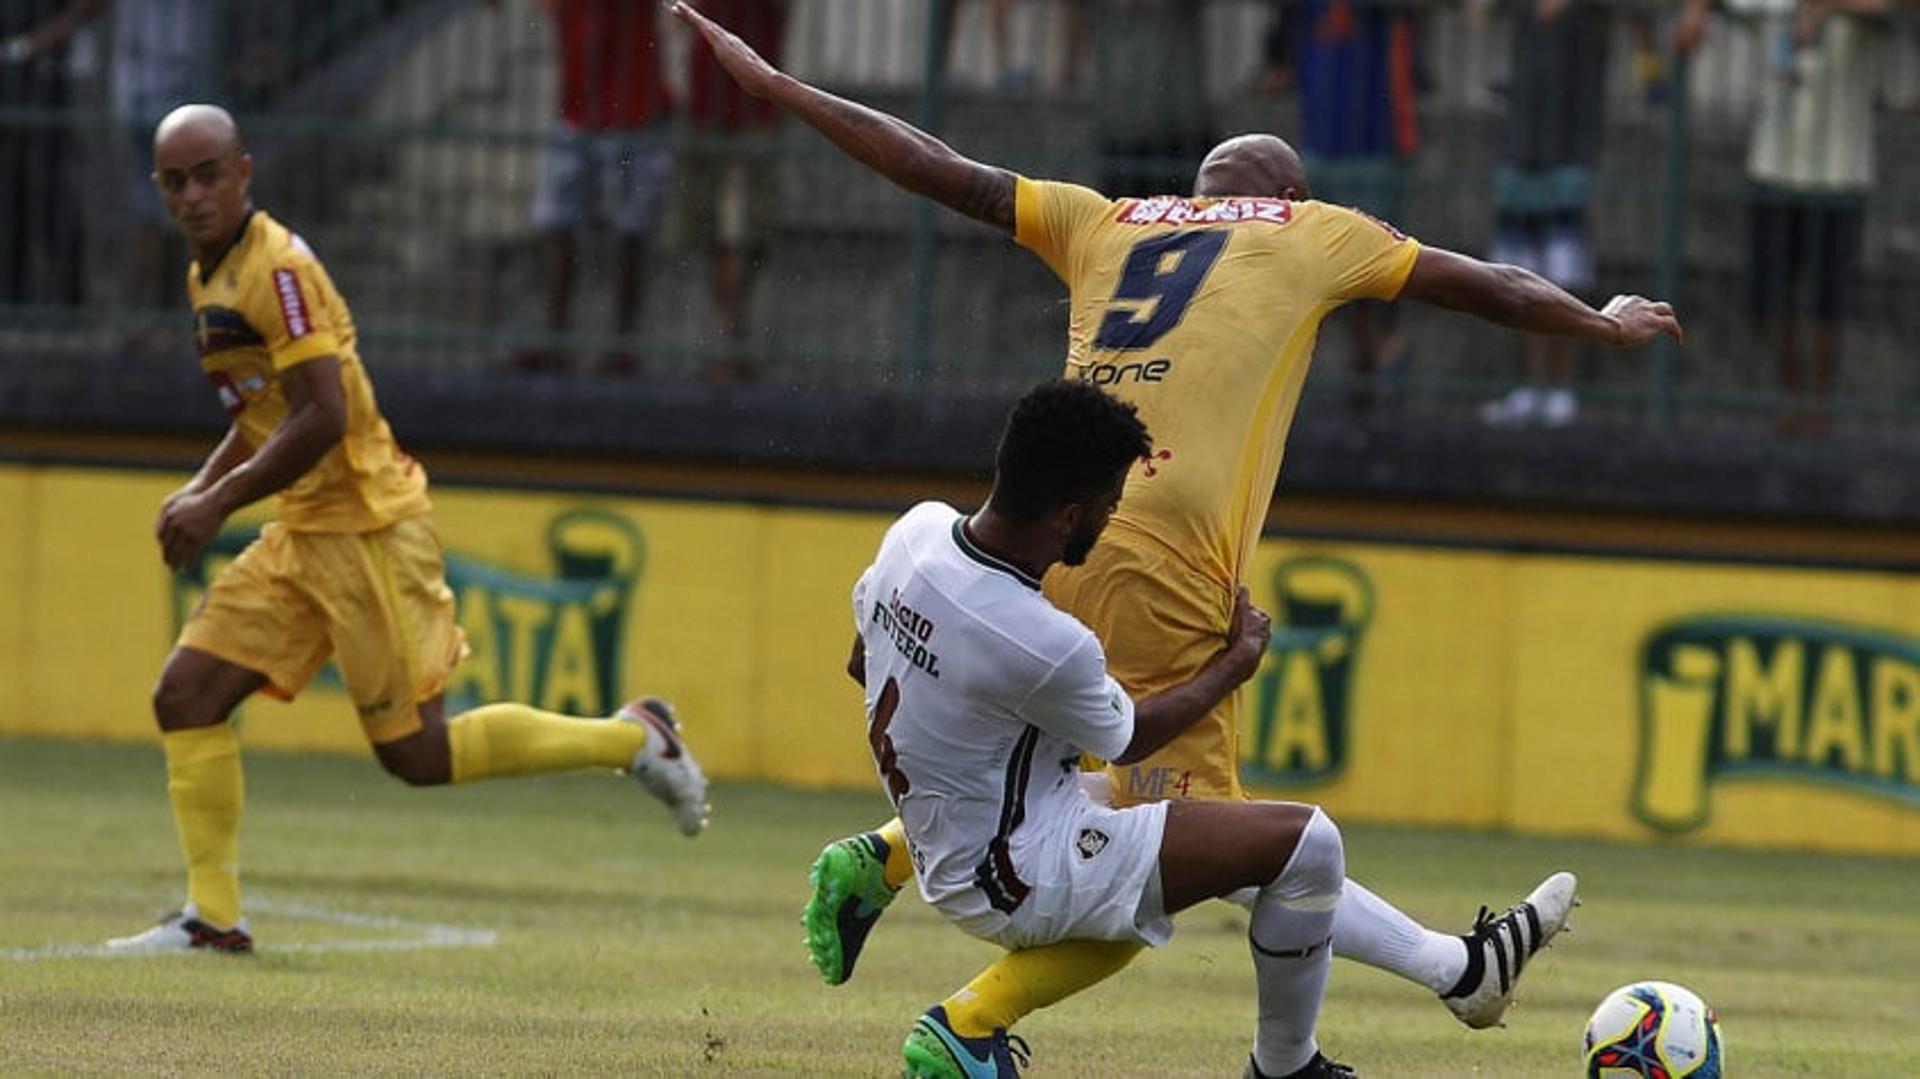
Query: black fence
[[728, 267]]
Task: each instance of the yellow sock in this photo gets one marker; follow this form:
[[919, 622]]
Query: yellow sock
[[1022, 982], [899, 863], [516, 740], [205, 787]]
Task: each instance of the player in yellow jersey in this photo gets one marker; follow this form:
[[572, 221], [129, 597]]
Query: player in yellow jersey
[[1202, 312], [351, 570]]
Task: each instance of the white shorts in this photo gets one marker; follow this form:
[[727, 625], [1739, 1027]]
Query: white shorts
[[1558, 253], [1095, 875], [615, 176]]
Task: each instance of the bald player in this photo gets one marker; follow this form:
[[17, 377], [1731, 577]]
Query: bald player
[[1202, 311], [350, 571]]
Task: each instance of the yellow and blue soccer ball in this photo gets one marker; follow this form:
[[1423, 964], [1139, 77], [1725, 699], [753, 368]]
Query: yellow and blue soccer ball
[[1654, 1030]]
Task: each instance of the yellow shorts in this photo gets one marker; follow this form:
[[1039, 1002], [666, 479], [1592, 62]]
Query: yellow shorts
[[1160, 622], [377, 602]]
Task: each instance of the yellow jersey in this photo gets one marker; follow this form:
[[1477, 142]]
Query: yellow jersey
[[1203, 313], [264, 308]]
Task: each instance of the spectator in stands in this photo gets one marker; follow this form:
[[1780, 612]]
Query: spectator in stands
[[154, 68], [998, 12], [1151, 115], [1007, 75], [1355, 66], [1810, 164], [40, 229], [1555, 91], [152, 49], [609, 159], [729, 183]]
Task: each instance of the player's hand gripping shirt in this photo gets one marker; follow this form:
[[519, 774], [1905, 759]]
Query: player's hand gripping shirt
[[265, 308], [981, 697], [1203, 313]]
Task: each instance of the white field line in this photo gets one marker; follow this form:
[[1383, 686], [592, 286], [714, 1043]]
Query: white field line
[[411, 936]]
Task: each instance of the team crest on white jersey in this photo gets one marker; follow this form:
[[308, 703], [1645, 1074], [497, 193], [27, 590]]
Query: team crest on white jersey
[[1091, 842]]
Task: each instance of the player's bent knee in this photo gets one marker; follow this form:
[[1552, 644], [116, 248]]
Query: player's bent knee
[[179, 706], [199, 690], [419, 759], [415, 761], [1317, 871], [166, 704]]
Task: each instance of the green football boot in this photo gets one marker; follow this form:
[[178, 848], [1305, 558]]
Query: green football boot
[[934, 1051], [849, 893]]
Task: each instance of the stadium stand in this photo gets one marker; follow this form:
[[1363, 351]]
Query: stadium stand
[[402, 137]]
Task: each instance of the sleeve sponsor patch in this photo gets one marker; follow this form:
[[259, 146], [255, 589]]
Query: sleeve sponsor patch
[[293, 306]]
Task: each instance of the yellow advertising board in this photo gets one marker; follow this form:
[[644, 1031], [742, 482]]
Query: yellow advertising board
[[18, 522], [739, 614], [1626, 698]]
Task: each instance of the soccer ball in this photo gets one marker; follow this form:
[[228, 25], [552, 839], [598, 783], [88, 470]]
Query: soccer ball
[[1657, 1030]]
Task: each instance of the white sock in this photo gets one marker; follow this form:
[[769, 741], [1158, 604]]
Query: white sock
[[1290, 935], [1368, 929]]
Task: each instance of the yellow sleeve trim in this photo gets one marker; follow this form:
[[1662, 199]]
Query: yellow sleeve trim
[[1394, 282], [300, 350], [1029, 224]]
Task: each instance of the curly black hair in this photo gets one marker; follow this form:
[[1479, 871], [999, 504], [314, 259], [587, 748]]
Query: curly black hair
[[1064, 442]]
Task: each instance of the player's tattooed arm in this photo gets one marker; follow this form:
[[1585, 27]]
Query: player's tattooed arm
[[1523, 300], [888, 145], [904, 154], [989, 197]]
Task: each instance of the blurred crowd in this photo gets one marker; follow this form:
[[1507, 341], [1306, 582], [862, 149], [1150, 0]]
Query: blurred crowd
[[84, 82], [643, 118]]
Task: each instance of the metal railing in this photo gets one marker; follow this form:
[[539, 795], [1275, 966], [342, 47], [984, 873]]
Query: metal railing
[[406, 140]]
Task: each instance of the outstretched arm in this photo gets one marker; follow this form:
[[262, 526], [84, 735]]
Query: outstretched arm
[[1524, 300], [886, 144]]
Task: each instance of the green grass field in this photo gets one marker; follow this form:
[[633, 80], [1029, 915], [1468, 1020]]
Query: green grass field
[[559, 926]]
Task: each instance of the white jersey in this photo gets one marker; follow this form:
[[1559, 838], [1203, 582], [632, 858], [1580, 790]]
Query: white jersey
[[981, 696]]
